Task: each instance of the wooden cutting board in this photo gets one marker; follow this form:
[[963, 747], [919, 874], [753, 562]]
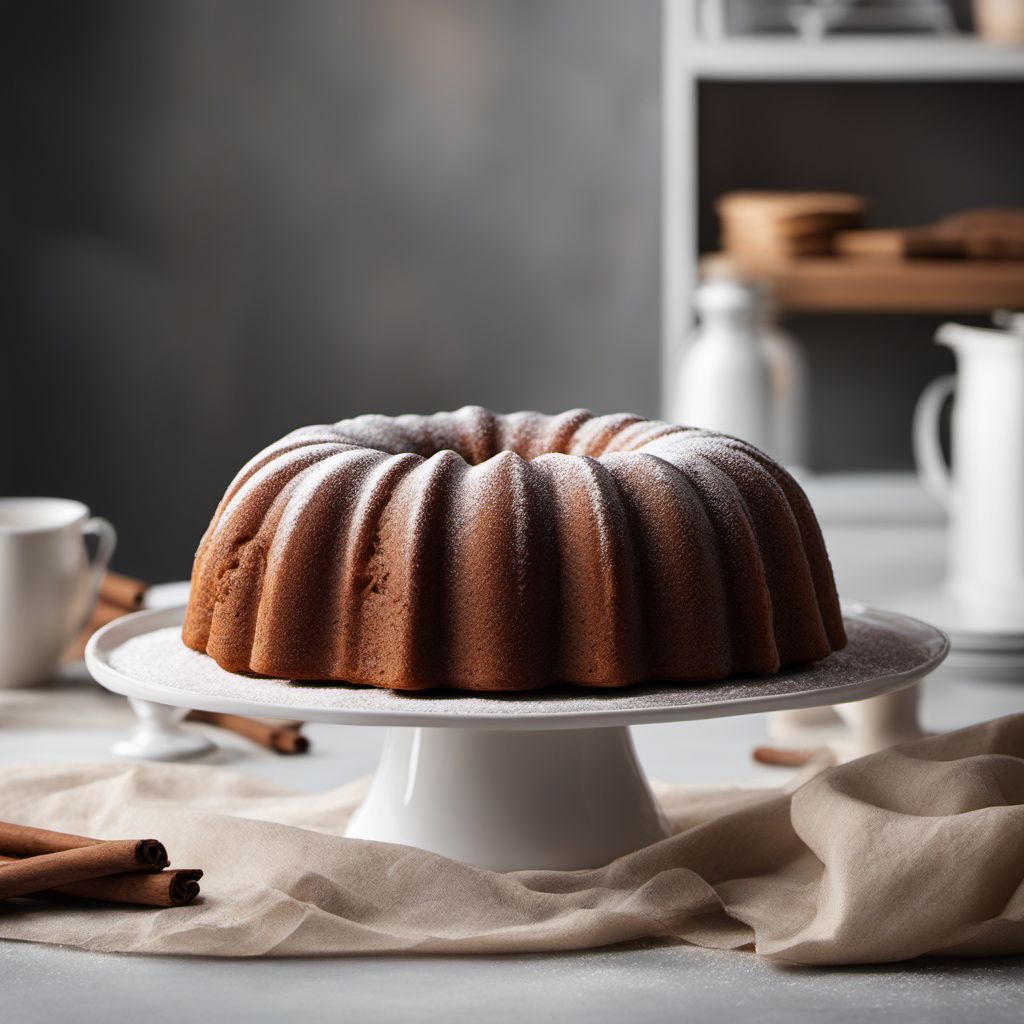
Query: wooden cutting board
[[991, 234]]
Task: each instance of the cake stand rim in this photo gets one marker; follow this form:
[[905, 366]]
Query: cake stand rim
[[111, 636]]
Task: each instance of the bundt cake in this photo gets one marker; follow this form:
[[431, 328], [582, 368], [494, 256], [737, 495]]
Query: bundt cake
[[488, 552]]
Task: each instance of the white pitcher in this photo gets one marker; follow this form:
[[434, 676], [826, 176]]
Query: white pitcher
[[984, 494]]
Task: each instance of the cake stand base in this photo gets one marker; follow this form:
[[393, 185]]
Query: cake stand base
[[159, 736], [560, 799], [852, 730]]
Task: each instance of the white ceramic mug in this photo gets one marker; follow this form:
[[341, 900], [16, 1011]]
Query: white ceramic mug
[[984, 493], [48, 585]]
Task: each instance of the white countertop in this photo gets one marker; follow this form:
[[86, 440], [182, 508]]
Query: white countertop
[[876, 527]]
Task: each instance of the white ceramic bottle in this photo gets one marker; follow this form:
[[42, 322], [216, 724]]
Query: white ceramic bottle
[[741, 374], [790, 386], [724, 379]]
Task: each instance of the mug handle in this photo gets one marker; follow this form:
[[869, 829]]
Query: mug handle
[[932, 470], [106, 537]]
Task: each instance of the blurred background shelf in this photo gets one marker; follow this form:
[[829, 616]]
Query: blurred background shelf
[[836, 284], [922, 125], [856, 58]]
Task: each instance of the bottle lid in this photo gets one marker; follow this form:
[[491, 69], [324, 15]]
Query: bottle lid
[[727, 295]]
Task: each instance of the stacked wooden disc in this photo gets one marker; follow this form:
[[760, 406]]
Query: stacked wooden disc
[[784, 225]]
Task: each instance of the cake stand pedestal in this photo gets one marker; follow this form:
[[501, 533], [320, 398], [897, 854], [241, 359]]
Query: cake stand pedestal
[[507, 799], [508, 781]]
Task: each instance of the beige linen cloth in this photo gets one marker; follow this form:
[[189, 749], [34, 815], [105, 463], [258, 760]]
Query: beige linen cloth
[[918, 849]]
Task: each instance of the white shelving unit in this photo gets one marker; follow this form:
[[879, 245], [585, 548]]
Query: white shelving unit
[[688, 60], [856, 58]]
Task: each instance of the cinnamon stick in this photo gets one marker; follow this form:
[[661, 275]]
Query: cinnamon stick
[[26, 841], [67, 867], [281, 737], [123, 591], [783, 758], [162, 889], [103, 613]]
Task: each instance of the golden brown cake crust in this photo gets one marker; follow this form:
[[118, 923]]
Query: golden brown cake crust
[[488, 552]]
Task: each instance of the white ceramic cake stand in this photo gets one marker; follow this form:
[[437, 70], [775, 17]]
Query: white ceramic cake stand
[[506, 781]]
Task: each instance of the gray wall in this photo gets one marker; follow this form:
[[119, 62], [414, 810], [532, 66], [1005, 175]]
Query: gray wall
[[232, 218], [222, 219]]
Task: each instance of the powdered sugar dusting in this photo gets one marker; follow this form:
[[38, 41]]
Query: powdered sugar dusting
[[477, 434], [308, 482]]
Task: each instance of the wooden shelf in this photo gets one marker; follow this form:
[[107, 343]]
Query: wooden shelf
[[855, 58], [838, 284]]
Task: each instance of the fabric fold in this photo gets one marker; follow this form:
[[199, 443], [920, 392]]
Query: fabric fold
[[911, 851]]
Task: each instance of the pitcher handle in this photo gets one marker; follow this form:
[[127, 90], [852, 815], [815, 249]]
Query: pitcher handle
[[932, 469], [106, 537]]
